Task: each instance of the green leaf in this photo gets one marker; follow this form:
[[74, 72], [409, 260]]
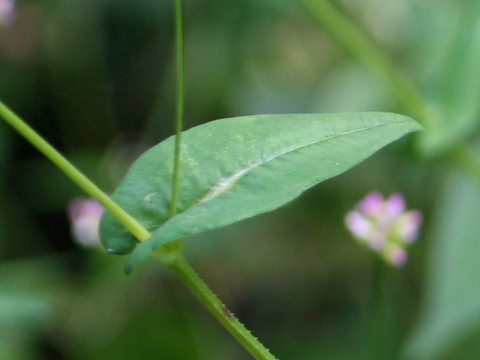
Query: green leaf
[[235, 168], [451, 309], [457, 85]]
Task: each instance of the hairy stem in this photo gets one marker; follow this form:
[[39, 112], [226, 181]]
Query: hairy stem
[[171, 255]]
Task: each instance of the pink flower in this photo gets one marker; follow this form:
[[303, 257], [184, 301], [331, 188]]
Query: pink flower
[[7, 12], [397, 256], [84, 215], [385, 226]]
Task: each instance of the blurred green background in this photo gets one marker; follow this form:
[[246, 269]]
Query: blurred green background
[[96, 78]]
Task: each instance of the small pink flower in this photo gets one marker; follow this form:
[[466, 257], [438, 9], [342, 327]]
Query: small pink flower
[[384, 226], [395, 205], [398, 256], [7, 12], [371, 204], [84, 215], [358, 224], [408, 225]]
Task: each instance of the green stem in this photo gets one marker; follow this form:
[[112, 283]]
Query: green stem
[[195, 283], [73, 173], [378, 333], [170, 255], [180, 100], [360, 45]]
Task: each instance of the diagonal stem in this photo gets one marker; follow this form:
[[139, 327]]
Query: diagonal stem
[[171, 257], [219, 311], [361, 46], [73, 173]]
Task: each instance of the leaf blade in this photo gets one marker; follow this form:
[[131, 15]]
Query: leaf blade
[[450, 312], [456, 83], [236, 168]]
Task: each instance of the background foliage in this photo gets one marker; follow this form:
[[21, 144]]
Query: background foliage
[[96, 78]]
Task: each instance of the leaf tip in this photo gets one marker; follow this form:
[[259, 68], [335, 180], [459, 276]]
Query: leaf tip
[[128, 268], [140, 253]]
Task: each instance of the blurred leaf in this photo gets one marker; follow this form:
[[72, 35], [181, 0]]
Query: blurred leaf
[[451, 308], [236, 168], [364, 92], [21, 314], [4, 147], [20, 309], [458, 90]]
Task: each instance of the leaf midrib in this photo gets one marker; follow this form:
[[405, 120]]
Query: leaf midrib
[[230, 180]]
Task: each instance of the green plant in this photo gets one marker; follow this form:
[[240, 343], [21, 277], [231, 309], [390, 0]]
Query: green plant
[[228, 170], [219, 173]]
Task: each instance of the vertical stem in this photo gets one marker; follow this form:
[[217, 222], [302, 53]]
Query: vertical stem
[[377, 333], [177, 262], [180, 99]]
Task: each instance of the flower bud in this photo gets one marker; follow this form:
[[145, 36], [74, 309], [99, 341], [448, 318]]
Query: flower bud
[[84, 215]]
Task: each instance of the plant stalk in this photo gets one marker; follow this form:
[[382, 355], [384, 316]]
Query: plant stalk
[[173, 259], [360, 45], [180, 101], [378, 330], [171, 255], [219, 311], [73, 173]]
